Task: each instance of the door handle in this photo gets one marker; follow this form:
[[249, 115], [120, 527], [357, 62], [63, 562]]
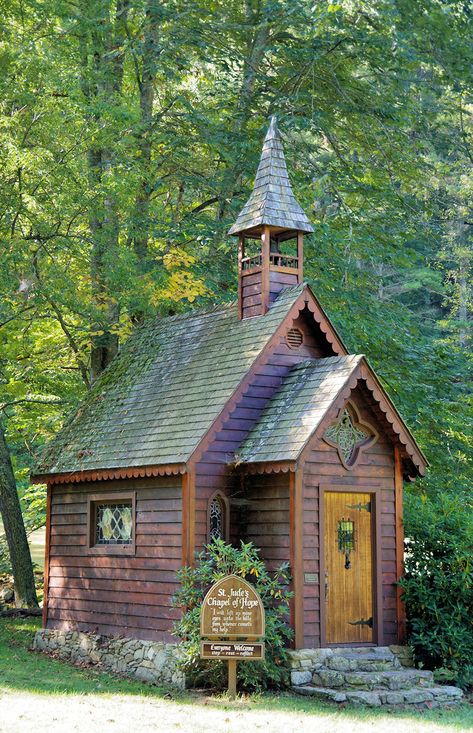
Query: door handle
[[326, 584]]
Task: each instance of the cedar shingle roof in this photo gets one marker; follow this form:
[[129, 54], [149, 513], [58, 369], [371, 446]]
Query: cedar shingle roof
[[297, 409], [272, 201], [158, 398]]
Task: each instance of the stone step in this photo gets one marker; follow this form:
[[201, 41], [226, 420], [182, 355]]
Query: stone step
[[391, 679], [400, 679], [351, 659], [421, 697], [369, 661]]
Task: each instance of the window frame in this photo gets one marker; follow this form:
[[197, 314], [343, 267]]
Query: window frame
[[226, 515], [110, 498]]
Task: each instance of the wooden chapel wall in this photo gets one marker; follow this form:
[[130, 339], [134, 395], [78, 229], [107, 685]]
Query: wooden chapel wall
[[373, 471], [109, 594], [212, 472], [265, 516]]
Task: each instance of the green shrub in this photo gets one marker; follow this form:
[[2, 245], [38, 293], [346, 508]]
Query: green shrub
[[219, 560], [438, 585]]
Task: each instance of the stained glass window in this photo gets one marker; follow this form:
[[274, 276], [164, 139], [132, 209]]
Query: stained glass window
[[346, 436], [216, 519], [113, 524], [346, 535]]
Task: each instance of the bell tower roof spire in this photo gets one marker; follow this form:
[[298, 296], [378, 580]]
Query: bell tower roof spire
[[272, 202]]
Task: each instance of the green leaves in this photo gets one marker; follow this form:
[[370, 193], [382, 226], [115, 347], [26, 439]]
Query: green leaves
[[438, 587]]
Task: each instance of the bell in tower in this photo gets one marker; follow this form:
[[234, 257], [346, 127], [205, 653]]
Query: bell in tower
[[270, 228]]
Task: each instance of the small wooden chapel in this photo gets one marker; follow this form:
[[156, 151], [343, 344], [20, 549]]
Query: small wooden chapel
[[246, 421]]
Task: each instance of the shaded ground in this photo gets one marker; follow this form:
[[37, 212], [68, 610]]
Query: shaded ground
[[41, 694]]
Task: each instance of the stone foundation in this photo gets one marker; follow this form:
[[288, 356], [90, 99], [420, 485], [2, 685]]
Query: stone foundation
[[147, 661]]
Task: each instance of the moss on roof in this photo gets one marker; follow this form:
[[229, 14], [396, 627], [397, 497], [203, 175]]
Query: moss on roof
[[161, 394], [297, 409]]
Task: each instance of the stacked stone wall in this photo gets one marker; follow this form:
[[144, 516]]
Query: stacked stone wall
[[147, 661]]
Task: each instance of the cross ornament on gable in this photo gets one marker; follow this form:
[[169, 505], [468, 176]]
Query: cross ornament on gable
[[350, 435]]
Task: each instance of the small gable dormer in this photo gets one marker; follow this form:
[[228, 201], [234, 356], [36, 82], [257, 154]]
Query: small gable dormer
[[271, 228]]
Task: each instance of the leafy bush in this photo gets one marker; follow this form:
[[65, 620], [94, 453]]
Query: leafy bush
[[218, 560], [438, 586]]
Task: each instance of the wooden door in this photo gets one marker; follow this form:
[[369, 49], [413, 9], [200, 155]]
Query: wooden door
[[348, 554]]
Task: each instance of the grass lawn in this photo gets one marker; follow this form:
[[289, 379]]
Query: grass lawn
[[43, 694]]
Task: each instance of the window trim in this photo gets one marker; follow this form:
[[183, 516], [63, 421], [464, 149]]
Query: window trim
[[110, 498], [226, 515]]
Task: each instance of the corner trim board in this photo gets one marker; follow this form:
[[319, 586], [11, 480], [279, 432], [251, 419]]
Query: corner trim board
[[398, 502], [46, 556]]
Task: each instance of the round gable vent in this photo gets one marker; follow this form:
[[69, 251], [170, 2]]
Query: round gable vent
[[294, 338]]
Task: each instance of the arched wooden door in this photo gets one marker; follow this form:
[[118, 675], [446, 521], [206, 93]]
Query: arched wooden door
[[348, 560]]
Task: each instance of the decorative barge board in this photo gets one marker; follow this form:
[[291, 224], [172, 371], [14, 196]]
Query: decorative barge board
[[247, 421]]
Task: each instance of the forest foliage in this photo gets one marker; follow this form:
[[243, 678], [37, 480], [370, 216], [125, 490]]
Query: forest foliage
[[130, 132]]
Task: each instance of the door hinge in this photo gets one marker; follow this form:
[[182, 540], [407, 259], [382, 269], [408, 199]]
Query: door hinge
[[362, 622], [361, 507]]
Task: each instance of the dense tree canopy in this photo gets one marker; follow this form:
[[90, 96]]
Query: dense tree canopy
[[129, 134]]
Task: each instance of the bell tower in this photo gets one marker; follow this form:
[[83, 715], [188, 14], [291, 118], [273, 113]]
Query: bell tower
[[270, 228]]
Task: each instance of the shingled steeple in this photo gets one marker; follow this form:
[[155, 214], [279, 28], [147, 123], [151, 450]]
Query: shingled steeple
[[273, 216], [272, 201]]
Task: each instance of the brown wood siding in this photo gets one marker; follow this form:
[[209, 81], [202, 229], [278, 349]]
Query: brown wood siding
[[266, 516], [109, 594], [280, 280], [212, 471], [374, 472], [251, 288]]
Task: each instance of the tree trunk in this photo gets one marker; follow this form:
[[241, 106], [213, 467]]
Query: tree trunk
[[20, 556], [257, 47], [102, 80], [151, 51], [463, 292]]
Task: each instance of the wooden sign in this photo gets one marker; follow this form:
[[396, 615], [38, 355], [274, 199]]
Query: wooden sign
[[240, 650], [232, 608]]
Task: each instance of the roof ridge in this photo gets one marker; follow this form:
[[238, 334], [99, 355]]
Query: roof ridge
[[194, 312], [215, 308]]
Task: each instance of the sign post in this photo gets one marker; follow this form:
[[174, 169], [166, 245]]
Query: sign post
[[231, 625]]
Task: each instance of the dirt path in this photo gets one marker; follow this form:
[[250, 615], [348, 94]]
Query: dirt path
[[22, 712]]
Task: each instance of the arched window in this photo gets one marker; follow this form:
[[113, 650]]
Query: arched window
[[217, 519]]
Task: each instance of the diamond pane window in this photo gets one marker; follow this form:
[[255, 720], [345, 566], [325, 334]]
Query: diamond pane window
[[113, 524], [216, 519]]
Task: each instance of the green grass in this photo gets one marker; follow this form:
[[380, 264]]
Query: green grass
[[23, 671]]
